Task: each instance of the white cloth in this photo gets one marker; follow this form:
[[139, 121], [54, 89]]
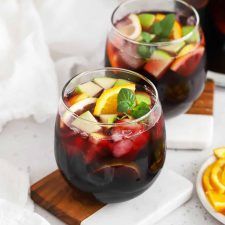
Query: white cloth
[[16, 207], [28, 83]]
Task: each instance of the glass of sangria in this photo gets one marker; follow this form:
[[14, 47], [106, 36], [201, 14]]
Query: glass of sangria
[[162, 40], [110, 134]]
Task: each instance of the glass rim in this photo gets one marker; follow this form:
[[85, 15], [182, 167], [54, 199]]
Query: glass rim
[[158, 44], [105, 69]]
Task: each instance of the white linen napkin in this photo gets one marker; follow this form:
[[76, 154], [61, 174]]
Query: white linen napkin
[[16, 207], [28, 83]]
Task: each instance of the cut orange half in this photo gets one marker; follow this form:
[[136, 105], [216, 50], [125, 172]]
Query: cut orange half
[[107, 102]]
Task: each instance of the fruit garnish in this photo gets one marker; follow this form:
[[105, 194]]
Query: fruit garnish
[[121, 82], [219, 152], [107, 102], [186, 49], [76, 107], [216, 169], [173, 48], [130, 27], [126, 100], [217, 200], [113, 55], [206, 179], [89, 88], [97, 137], [140, 110], [121, 169], [142, 96], [108, 118], [145, 51], [82, 122], [146, 20], [187, 64], [105, 82], [164, 27], [158, 63], [122, 148], [77, 98], [195, 37], [176, 30]]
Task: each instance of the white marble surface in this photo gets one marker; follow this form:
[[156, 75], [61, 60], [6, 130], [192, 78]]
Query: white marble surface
[[28, 144]]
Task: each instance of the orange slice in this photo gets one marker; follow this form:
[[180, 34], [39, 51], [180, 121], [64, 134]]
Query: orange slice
[[107, 102], [217, 200], [219, 152], [216, 174], [206, 179]]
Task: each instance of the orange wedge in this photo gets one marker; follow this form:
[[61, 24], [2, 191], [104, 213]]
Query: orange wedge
[[219, 152], [216, 174], [217, 200], [206, 179], [107, 102]]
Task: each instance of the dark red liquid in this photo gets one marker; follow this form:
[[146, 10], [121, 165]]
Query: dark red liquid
[[176, 91], [103, 168]]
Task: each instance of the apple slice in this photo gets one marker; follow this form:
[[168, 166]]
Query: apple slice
[[89, 88], [142, 96], [76, 107], [76, 98], [97, 137], [187, 64], [195, 37], [105, 82], [121, 82], [158, 63], [83, 123], [108, 118], [174, 49], [146, 20]]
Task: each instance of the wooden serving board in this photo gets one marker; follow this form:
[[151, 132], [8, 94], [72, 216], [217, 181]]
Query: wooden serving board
[[73, 206]]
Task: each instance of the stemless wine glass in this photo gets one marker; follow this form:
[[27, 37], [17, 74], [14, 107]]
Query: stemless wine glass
[[120, 160], [175, 65]]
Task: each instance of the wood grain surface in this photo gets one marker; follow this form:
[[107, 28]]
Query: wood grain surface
[[204, 104], [65, 202], [73, 206]]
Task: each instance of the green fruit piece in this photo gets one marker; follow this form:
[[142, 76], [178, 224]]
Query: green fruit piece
[[142, 96], [105, 82], [89, 88], [175, 48], [195, 37], [108, 118], [121, 82], [76, 107], [146, 20], [158, 63], [83, 122]]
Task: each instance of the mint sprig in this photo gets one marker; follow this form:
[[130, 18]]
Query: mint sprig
[[127, 104], [164, 27], [126, 100], [140, 110]]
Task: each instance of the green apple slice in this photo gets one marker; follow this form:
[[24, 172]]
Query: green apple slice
[[146, 20], [121, 82], [89, 88], [83, 123], [195, 37], [108, 118], [142, 96], [105, 82], [175, 48], [78, 106]]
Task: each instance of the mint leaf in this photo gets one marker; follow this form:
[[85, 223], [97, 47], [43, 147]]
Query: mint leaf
[[164, 27], [156, 28], [146, 37], [140, 110], [145, 51], [125, 100]]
